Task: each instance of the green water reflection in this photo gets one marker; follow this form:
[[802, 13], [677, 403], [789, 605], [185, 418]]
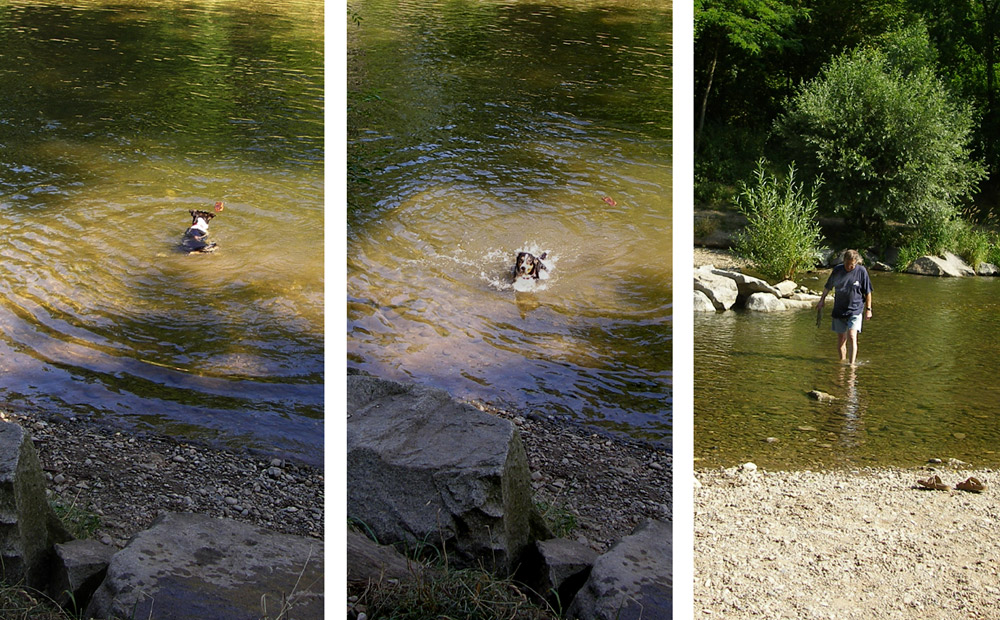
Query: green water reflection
[[117, 117], [925, 386], [480, 128]]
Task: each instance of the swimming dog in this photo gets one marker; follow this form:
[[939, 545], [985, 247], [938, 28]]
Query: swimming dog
[[527, 266], [197, 233]]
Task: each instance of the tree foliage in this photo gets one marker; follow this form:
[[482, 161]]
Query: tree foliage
[[889, 140]]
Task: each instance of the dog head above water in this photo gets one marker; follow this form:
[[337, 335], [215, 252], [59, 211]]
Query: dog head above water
[[204, 216], [528, 266]]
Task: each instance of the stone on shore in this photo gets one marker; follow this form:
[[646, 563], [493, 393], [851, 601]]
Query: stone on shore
[[987, 269], [561, 567], [747, 285], [424, 469], [702, 303], [28, 527], [81, 569], [785, 288], [765, 302], [947, 265], [720, 290], [193, 566], [371, 563], [633, 580]]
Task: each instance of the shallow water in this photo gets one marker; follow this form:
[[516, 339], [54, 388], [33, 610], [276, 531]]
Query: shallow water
[[500, 127], [925, 385], [117, 118]]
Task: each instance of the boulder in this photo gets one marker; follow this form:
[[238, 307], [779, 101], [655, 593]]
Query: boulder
[[800, 304], [561, 567], [81, 569], [720, 290], [702, 303], [765, 302], [785, 288], [370, 562], [822, 396], [880, 266], [987, 269], [633, 580], [424, 469], [810, 297], [947, 265], [747, 285], [193, 566], [28, 527]]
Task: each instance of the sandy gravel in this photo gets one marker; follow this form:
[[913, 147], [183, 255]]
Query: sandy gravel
[[866, 543]]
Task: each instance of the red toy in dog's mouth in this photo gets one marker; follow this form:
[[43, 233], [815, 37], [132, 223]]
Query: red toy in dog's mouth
[[219, 206]]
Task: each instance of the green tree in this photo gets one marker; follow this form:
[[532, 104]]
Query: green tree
[[782, 234], [727, 30], [890, 141]]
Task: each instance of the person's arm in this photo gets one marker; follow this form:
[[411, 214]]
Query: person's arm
[[868, 305], [822, 298]]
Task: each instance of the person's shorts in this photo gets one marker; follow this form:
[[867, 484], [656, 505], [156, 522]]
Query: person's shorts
[[842, 325]]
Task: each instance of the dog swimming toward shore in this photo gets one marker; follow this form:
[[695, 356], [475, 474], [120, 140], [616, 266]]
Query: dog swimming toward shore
[[529, 270], [195, 237]]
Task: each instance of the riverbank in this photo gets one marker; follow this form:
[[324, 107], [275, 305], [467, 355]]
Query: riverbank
[[121, 481], [600, 487], [866, 543]]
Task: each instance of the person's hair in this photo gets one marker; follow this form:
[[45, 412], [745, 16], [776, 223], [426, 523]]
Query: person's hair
[[853, 256]]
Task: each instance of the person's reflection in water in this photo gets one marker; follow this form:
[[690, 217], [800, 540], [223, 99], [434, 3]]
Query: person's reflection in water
[[851, 409]]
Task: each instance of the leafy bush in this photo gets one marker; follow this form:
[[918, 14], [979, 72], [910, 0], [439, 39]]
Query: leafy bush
[[889, 139], [782, 234]]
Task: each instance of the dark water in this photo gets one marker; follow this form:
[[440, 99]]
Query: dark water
[[478, 129], [925, 386], [116, 118]]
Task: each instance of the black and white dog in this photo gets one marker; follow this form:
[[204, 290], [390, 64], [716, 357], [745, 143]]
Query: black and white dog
[[197, 233], [527, 266]]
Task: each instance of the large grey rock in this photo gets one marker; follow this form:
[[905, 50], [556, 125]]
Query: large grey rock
[[765, 302], [747, 285], [786, 288], [424, 469], [987, 269], [81, 569], [193, 566], [562, 568], [369, 562], [720, 290], [947, 265], [799, 304], [632, 581], [28, 526], [702, 303]]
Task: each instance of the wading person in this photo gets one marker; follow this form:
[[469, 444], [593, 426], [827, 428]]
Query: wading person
[[852, 300]]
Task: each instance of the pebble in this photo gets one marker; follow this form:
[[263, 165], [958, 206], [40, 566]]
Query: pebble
[[178, 459]]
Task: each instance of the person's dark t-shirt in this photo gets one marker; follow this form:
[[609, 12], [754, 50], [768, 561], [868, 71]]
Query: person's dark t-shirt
[[852, 287]]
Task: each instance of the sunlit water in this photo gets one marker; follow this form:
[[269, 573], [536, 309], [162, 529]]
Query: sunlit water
[[480, 129], [925, 385], [116, 119]]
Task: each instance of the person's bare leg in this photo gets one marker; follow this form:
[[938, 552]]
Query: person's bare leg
[[842, 346], [852, 345]]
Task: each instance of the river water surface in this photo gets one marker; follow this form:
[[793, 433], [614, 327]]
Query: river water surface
[[478, 129], [925, 385], [116, 118]]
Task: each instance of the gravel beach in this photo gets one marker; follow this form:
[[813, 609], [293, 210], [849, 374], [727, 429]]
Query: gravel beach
[[127, 479], [867, 543]]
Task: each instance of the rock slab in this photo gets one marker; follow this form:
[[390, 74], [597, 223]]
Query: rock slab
[[947, 265], [563, 568], [81, 570], [193, 566], [424, 469], [370, 563], [633, 580], [28, 527], [720, 290]]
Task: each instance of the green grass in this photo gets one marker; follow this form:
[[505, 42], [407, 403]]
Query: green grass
[[80, 523], [470, 594]]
